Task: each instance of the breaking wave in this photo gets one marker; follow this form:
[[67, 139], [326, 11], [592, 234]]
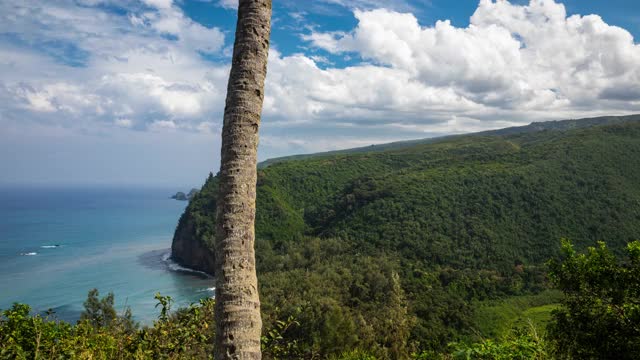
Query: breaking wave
[[174, 266], [209, 289]]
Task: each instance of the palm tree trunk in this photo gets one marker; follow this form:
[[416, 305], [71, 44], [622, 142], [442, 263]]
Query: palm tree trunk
[[238, 322]]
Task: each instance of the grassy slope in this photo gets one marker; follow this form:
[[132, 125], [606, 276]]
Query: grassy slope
[[495, 318]]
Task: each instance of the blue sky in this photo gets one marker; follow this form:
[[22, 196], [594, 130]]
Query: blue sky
[[294, 17], [132, 91]]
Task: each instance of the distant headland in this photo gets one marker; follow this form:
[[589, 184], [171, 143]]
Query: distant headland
[[184, 197]]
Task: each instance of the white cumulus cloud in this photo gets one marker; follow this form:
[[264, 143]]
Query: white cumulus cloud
[[128, 70], [510, 59], [145, 69]]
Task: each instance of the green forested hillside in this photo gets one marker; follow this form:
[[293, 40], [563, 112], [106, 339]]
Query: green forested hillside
[[485, 202], [416, 237], [533, 127]]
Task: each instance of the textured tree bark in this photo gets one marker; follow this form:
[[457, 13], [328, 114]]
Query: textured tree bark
[[238, 322]]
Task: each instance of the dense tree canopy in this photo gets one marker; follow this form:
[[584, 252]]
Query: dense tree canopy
[[460, 221]]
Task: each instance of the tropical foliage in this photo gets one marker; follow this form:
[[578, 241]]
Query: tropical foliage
[[597, 318], [462, 222], [600, 313], [102, 334]]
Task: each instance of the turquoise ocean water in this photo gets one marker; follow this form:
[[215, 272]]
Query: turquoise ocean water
[[58, 243]]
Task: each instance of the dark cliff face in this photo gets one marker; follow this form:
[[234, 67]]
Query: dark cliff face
[[192, 244], [190, 251]]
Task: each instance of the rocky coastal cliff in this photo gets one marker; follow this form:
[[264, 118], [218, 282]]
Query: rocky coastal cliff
[[192, 244]]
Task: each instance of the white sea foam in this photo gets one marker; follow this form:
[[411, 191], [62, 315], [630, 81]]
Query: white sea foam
[[49, 246], [174, 266], [29, 254], [211, 289], [166, 256]]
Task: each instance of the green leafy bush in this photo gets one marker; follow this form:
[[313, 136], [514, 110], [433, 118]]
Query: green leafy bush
[[600, 313], [101, 334], [187, 333]]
